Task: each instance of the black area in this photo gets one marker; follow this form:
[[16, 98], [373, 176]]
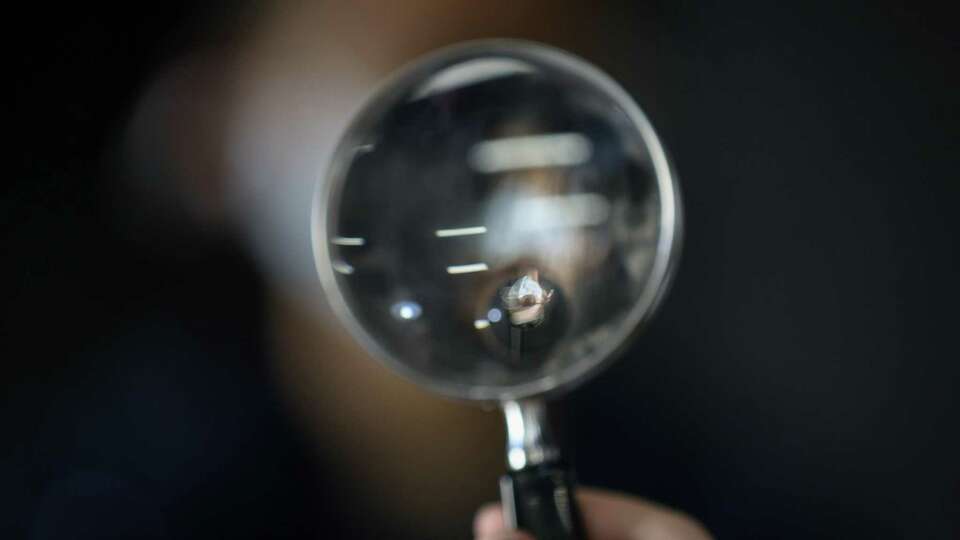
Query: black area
[[135, 398], [799, 381]]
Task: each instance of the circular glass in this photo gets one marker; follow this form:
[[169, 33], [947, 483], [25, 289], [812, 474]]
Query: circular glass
[[497, 221]]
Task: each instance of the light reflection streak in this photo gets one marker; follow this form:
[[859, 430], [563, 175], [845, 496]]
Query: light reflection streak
[[471, 72], [530, 151], [348, 241], [342, 268], [467, 268], [464, 231]]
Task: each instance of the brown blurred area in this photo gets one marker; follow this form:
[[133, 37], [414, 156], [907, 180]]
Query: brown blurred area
[[304, 68], [244, 131], [439, 457]]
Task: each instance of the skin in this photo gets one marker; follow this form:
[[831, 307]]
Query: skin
[[607, 516]]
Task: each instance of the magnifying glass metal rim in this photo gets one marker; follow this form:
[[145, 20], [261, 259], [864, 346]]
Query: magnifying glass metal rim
[[665, 259]]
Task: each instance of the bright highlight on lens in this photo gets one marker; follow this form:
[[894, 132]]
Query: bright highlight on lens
[[529, 151]]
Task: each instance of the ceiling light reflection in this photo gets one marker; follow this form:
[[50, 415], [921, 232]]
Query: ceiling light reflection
[[530, 151], [464, 231], [341, 267], [348, 241], [467, 268], [406, 310]]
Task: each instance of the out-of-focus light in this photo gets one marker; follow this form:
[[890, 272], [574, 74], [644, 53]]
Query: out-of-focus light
[[465, 231], [559, 211], [494, 315], [552, 225], [467, 268], [517, 458], [516, 430], [406, 310], [530, 151], [342, 268], [480, 324], [348, 241]]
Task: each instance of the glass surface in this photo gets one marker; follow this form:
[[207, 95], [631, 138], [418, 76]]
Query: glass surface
[[497, 220]]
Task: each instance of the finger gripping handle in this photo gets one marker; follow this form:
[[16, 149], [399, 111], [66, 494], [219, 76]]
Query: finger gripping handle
[[540, 500]]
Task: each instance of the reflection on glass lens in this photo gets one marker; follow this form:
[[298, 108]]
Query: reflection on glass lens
[[495, 217]]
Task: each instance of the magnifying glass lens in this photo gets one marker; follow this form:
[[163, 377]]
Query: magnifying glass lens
[[495, 221]]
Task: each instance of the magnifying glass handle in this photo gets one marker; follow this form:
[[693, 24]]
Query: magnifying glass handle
[[540, 500], [538, 491]]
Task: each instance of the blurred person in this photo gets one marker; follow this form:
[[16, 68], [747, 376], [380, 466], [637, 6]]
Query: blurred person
[[206, 145], [170, 372], [305, 68]]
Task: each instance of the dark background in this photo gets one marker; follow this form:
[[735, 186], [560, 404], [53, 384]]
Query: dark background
[[798, 382]]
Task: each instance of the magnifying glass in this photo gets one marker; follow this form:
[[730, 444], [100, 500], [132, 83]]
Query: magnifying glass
[[497, 222]]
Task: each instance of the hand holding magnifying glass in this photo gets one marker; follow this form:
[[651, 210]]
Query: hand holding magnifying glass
[[607, 516], [497, 222]]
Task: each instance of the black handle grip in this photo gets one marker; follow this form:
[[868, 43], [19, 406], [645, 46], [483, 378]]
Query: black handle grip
[[540, 500]]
